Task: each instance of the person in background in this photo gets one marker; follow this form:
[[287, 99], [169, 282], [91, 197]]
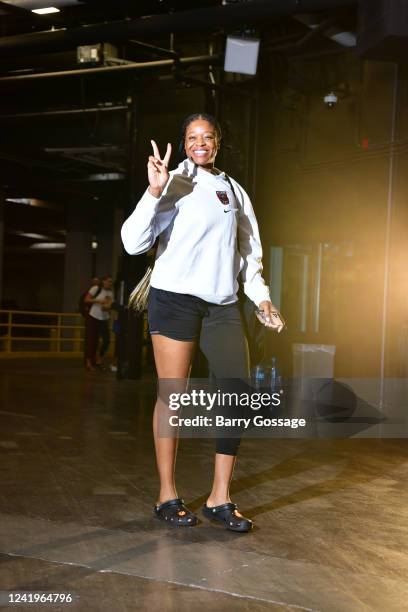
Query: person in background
[[95, 281], [100, 301], [84, 309]]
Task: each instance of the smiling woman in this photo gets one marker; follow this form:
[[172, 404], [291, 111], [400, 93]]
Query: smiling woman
[[193, 294], [201, 139]]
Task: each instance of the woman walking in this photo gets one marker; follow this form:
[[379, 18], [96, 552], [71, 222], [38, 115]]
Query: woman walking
[[208, 236]]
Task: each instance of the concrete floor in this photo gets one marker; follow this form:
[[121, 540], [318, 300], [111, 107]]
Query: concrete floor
[[77, 486]]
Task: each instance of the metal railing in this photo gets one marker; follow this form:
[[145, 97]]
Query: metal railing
[[28, 332]]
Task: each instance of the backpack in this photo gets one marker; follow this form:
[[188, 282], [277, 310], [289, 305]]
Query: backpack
[[83, 307]]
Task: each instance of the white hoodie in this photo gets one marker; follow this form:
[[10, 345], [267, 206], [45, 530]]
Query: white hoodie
[[208, 235]]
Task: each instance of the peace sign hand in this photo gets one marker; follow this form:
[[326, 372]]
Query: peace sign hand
[[157, 170]]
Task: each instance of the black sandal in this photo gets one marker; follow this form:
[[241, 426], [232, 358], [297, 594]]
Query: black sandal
[[226, 514], [175, 512]]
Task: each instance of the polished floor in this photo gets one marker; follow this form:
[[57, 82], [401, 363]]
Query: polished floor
[[77, 485]]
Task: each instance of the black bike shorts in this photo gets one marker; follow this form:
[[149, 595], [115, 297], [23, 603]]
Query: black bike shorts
[[182, 317]]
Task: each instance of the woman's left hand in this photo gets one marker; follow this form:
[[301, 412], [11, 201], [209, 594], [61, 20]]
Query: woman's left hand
[[272, 316]]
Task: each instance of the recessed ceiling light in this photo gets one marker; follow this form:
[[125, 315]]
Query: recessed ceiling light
[[27, 201], [33, 236], [48, 246], [46, 11]]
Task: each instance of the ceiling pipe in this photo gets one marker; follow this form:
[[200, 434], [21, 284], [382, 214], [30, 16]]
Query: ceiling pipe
[[197, 20], [183, 61], [67, 111]]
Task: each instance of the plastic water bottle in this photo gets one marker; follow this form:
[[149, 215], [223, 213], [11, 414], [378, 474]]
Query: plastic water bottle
[[275, 378], [258, 376]]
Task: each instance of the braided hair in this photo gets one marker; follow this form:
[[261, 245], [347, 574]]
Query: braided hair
[[194, 117]]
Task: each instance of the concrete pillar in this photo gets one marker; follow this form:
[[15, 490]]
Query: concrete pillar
[[2, 207], [78, 255], [109, 222], [118, 219], [104, 237]]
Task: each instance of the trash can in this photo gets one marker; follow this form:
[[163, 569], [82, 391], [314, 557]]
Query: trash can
[[313, 367], [313, 360]]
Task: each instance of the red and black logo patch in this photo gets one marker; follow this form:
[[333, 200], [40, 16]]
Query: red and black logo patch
[[223, 197]]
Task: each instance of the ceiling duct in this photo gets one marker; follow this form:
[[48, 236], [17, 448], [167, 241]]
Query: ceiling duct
[[383, 30], [30, 5], [338, 35], [197, 20]]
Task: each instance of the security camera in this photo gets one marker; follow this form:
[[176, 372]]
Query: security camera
[[330, 99]]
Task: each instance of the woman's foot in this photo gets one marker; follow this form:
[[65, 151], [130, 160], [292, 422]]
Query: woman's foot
[[215, 500], [175, 513], [227, 514]]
